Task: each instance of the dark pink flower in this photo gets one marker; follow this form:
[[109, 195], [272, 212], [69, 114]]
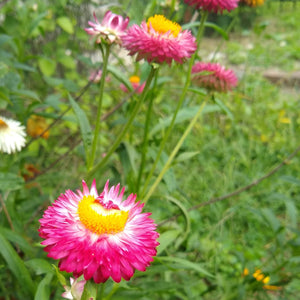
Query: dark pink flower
[[214, 77], [110, 29], [99, 235], [213, 5], [159, 40]]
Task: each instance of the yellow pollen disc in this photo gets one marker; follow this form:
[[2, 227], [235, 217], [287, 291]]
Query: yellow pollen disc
[[99, 219], [3, 124], [162, 25], [134, 79]]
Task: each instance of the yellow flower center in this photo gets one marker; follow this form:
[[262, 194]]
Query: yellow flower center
[[134, 79], [162, 25], [94, 216], [3, 125]]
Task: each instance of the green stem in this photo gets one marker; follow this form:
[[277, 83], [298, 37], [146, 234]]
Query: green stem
[[127, 126], [181, 99], [174, 152], [145, 140], [105, 54], [90, 290], [101, 291]]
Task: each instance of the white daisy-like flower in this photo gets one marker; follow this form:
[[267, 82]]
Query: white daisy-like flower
[[12, 135]]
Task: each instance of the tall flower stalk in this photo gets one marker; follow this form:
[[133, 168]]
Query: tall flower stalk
[[105, 53], [179, 104], [174, 152], [128, 124], [145, 139], [106, 33]]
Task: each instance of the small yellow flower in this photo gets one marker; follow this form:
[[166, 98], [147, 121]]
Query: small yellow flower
[[272, 287], [134, 79], [266, 279], [253, 3], [246, 272], [36, 125], [256, 273]]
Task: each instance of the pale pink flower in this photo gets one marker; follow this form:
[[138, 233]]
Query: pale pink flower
[[214, 77], [110, 29], [135, 82], [213, 5], [159, 40], [99, 235], [75, 291], [95, 76]]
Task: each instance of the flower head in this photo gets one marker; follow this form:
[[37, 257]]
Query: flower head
[[213, 5], [75, 291], [214, 77], [99, 235], [110, 29], [159, 40], [253, 3], [36, 126], [135, 82], [12, 135]]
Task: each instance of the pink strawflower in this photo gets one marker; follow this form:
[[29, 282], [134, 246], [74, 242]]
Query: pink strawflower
[[110, 29], [99, 235], [214, 77], [159, 40], [213, 5], [135, 82], [95, 76]]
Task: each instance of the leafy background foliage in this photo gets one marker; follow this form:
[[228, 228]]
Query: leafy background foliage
[[46, 59]]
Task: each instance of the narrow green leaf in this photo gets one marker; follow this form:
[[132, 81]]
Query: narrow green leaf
[[24, 67], [40, 266], [120, 76], [184, 114], [185, 156], [10, 182], [43, 290], [208, 24], [84, 125], [197, 91], [66, 24], [291, 213], [165, 239], [270, 218], [131, 156], [27, 94], [183, 263], [16, 265], [290, 179], [224, 108], [16, 238], [59, 276], [218, 29], [35, 22], [186, 215]]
